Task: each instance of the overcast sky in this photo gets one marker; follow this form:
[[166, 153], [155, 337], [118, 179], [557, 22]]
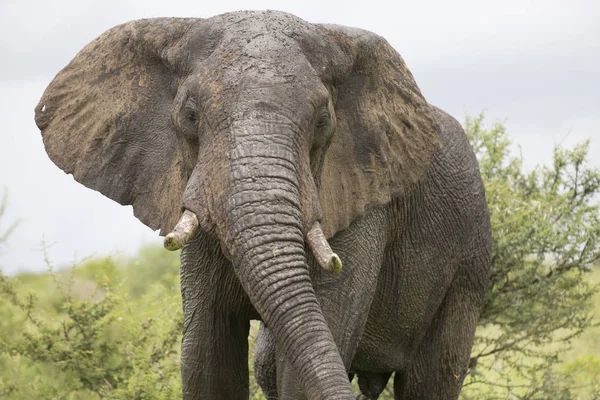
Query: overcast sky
[[533, 64]]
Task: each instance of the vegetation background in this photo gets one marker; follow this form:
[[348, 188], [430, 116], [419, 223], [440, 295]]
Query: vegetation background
[[109, 328]]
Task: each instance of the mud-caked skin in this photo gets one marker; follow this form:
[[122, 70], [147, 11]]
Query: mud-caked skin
[[259, 125]]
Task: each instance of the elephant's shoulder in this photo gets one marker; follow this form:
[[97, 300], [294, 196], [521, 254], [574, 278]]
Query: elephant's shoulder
[[449, 126], [455, 168], [456, 152]]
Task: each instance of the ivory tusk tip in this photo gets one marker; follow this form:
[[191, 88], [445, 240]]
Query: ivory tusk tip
[[171, 243], [183, 231], [335, 264]]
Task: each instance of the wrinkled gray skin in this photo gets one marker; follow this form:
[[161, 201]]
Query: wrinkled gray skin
[[262, 124], [411, 298]]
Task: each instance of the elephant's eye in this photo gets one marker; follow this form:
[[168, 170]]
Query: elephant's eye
[[191, 116], [187, 119], [323, 121], [324, 127]]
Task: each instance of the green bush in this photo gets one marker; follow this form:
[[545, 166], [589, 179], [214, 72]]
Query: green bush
[[546, 232], [89, 339]]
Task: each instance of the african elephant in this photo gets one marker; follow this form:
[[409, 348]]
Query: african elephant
[[271, 151]]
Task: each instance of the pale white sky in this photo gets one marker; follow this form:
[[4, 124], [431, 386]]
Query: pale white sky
[[533, 64]]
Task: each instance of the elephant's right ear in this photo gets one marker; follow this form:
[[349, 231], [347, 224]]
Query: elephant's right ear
[[386, 135], [106, 118]]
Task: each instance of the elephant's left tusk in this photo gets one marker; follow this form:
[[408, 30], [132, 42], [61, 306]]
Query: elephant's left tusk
[[183, 231], [320, 248]]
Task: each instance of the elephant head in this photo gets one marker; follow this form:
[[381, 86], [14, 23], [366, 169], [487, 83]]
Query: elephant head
[[257, 127]]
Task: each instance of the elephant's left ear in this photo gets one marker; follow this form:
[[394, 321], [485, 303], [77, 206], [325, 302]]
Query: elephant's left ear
[[106, 117], [386, 134]]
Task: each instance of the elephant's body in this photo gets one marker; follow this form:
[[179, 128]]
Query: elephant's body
[[415, 276], [256, 137]]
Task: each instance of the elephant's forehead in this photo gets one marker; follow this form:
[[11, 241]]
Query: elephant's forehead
[[261, 20], [255, 48], [263, 32], [288, 41], [264, 51]]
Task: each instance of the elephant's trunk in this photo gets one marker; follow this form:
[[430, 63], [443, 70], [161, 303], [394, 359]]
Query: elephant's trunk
[[271, 266], [266, 240]]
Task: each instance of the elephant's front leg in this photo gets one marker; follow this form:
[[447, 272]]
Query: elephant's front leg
[[214, 350], [265, 371]]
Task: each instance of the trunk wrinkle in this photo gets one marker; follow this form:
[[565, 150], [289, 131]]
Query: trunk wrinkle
[[266, 233]]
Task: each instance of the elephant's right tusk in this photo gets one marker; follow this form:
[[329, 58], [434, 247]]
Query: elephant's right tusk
[[320, 248], [183, 231]]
